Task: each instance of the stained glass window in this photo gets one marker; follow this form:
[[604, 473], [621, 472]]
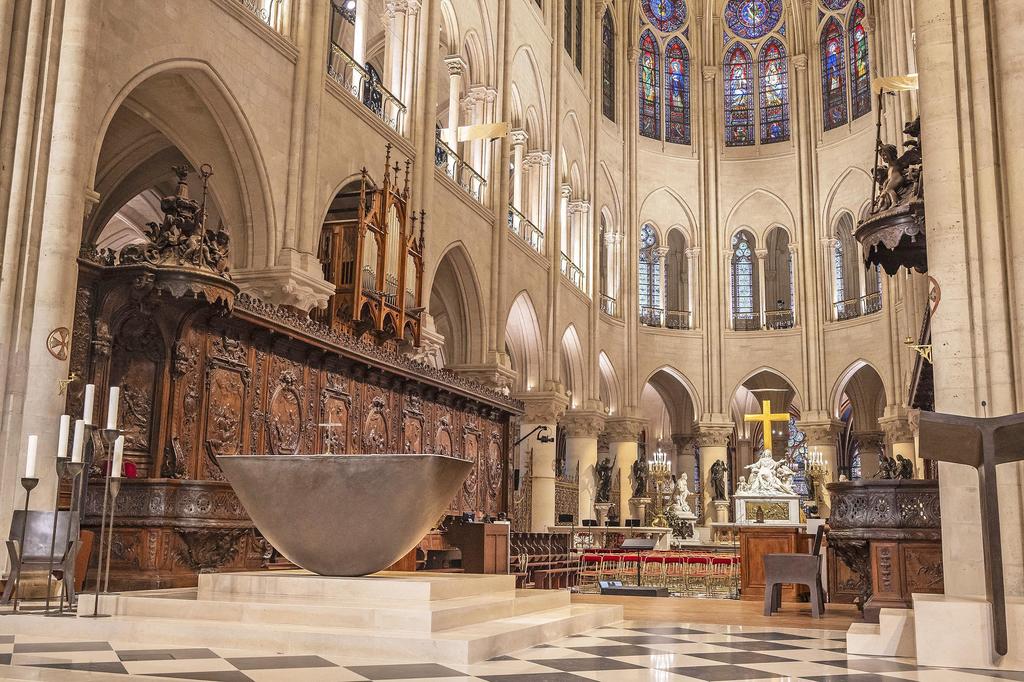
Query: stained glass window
[[579, 35], [753, 19], [837, 269], [774, 69], [742, 278], [666, 15], [608, 66], [860, 75], [835, 5], [796, 454], [650, 115], [739, 97], [677, 92], [833, 75], [649, 270], [567, 29]]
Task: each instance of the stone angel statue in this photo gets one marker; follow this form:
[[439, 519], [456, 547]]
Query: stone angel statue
[[680, 494]]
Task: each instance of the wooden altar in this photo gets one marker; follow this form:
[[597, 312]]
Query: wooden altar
[[758, 540], [887, 536], [206, 372]]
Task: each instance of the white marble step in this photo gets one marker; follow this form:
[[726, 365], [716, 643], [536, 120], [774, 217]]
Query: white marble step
[[893, 635], [467, 644], [429, 616]]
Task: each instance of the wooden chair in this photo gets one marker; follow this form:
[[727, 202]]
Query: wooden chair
[[799, 569], [33, 551]]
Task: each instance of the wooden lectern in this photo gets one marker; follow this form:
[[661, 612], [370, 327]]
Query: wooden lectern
[[484, 546]]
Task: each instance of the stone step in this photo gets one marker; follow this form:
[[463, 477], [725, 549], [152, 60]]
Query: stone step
[[384, 586], [893, 635], [467, 644], [432, 616]]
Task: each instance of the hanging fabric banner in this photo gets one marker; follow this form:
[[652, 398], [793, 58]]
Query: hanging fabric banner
[[484, 131], [895, 83]]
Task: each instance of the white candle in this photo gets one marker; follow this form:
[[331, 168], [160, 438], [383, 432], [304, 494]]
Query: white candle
[[115, 471], [62, 436], [112, 405], [90, 396], [30, 460], [78, 445]]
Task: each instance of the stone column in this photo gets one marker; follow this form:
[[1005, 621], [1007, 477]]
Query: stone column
[[692, 263], [899, 439], [623, 433], [661, 300], [394, 19], [872, 444], [744, 455], [762, 262], [519, 140], [685, 460], [542, 409], [713, 438], [577, 212], [794, 290], [456, 68], [822, 440], [536, 164], [359, 42], [581, 431]]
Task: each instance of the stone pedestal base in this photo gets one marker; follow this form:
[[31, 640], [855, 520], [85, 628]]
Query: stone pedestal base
[[601, 509], [777, 510], [639, 507], [956, 632], [721, 511]]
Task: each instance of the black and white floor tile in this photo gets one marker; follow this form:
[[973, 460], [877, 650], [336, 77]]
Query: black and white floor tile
[[628, 652]]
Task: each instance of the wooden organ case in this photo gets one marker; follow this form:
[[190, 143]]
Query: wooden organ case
[[207, 372]]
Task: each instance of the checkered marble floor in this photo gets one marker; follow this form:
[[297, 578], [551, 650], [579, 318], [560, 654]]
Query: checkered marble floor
[[627, 652]]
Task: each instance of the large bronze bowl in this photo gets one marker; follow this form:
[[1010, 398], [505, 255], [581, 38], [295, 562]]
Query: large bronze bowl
[[345, 515]]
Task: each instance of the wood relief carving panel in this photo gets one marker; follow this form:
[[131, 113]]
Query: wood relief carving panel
[[286, 408], [922, 568], [335, 415], [137, 366]]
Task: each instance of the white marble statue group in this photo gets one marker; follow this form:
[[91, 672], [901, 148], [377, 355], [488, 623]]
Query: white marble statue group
[[680, 492], [768, 478]]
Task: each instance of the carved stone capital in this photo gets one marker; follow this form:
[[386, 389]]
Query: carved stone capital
[[761, 253], [543, 407], [540, 158], [565, 191], [870, 441], [579, 206], [456, 65], [714, 435], [693, 252], [682, 441], [296, 281], [624, 429], [800, 62], [710, 73], [497, 376], [582, 423], [897, 429], [519, 138], [824, 433]]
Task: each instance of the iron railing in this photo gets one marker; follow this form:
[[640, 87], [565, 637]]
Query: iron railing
[[779, 319], [270, 12], [573, 273], [458, 170], [746, 322], [609, 306], [855, 307], [651, 316], [365, 87], [525, 229]]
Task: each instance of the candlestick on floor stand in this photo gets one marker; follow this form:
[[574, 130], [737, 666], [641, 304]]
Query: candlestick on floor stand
[[62, 470], [28, 484], [108, 436], [115, 488], [74, 470]]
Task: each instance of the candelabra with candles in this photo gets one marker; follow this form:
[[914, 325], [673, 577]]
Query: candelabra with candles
[[112, 442], [816, 469], [661, 476]]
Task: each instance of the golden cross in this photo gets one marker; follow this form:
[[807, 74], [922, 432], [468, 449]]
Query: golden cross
[[766, 418]]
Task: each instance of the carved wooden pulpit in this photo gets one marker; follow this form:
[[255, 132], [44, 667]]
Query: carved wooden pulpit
[[982, 443]]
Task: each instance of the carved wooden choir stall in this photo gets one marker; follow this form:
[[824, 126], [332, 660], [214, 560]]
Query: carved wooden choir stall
[[206, 372]]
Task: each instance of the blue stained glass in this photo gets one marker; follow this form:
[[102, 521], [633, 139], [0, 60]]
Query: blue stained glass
[[753, 18], [742, 279], [774, 67], [739, 97], [796, 451], [835, 5], [837, 268], [666, 15], [833, 75], [649, 109], [649, 270], [860, 73], [677, 92], [782, 29]]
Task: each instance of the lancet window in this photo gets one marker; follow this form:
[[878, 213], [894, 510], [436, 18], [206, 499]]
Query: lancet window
[[845, 64], [755, 55], [745, 313], [649, 272], [608, 66], [664, 92]]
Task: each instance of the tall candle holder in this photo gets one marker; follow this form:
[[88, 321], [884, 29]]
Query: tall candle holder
[[28, 484], [107, 438], [71, 470], [61, 467], [661, 475]]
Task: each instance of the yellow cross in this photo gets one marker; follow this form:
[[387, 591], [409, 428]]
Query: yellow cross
[[766, 418]]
